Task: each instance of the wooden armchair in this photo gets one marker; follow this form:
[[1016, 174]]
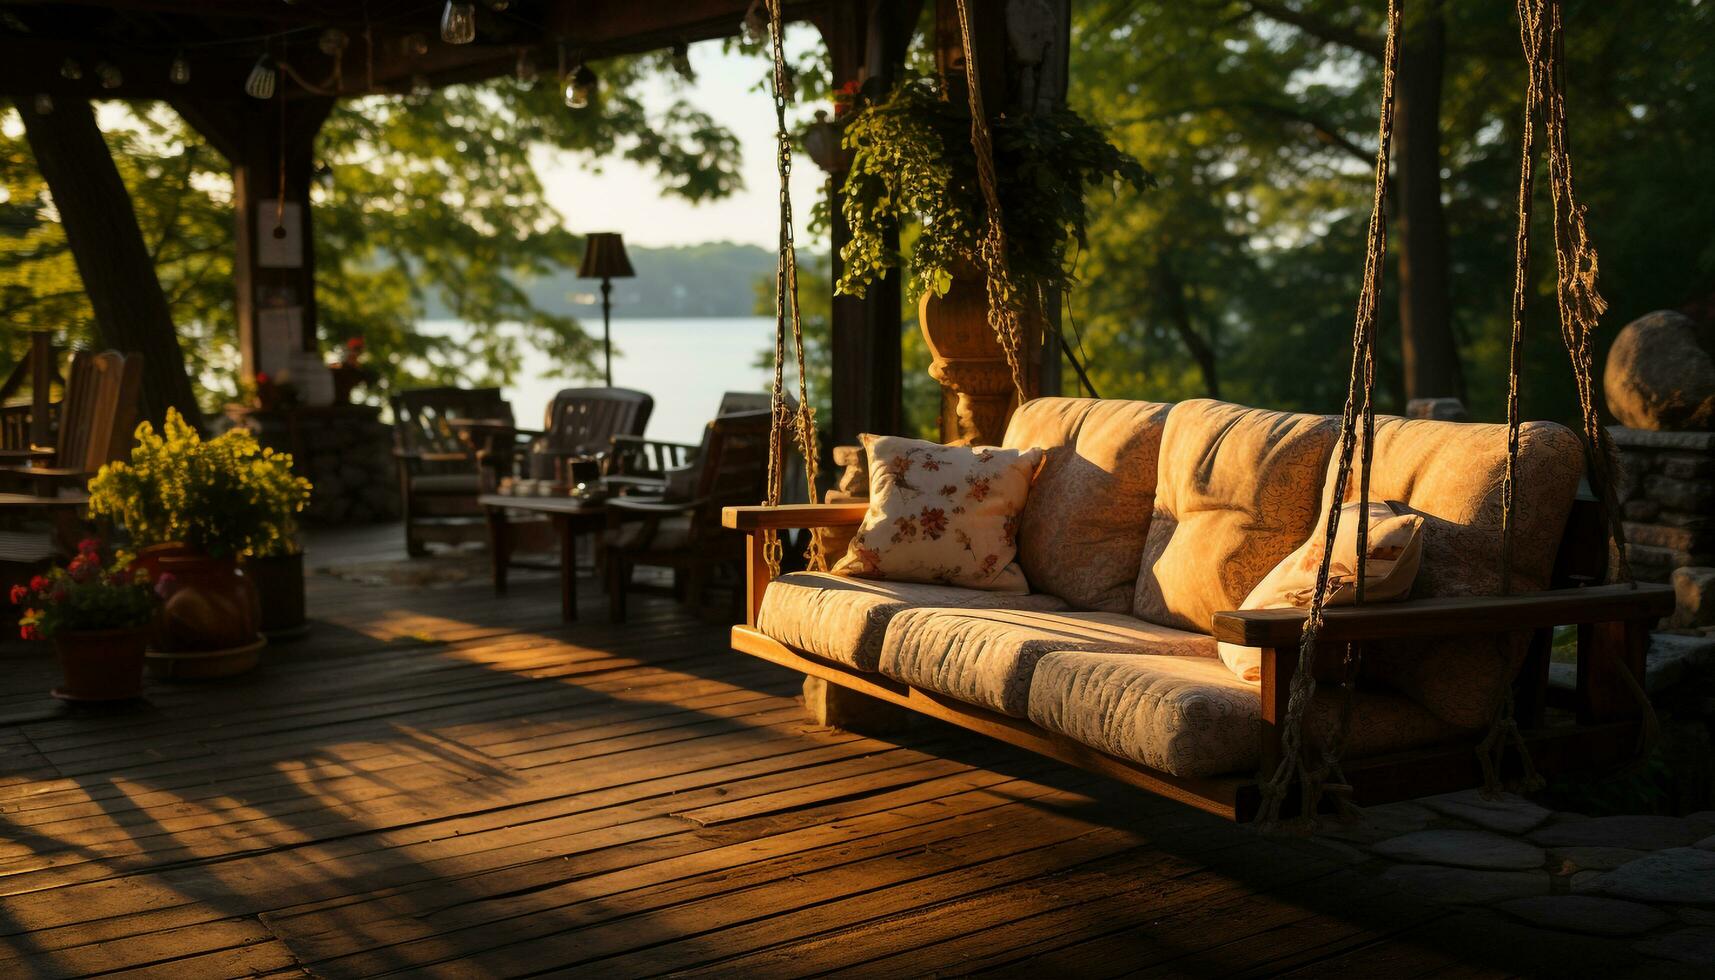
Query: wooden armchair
[[648, 466], [685, 534], [580, 425], [440, 469]]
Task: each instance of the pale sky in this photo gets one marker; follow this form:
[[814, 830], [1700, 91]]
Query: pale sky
[[626, 198]]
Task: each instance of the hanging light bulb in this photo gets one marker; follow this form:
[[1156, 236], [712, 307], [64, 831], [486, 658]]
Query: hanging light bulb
[[498, 6], [682, 61], [108, 74], [415, 45], [458, 22], [70, 70], [755, 25], [525, 70], [44, 104], [180, 72], [263, 78], [420, 87], [581, 87]]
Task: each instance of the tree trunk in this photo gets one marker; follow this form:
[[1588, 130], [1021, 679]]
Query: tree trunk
[[131, 313], [1178, 312], [1431, 356]]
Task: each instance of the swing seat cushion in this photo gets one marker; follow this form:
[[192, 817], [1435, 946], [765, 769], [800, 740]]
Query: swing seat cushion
[[1082, 531], [845, 619], [1450, 473], [1237, 492], [986, 657], [1191, 716]]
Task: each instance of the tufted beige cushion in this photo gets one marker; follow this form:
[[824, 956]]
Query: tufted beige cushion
[[1237, 492], [986, 656], [1451, 474], [1083, 527], [1191, 717], [844, 619]]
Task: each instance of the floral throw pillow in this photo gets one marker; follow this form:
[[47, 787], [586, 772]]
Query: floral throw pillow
[[942, 514]]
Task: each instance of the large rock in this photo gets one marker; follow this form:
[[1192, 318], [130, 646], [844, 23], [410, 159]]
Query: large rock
[[1681, 875], [1640, 833], [1661, 373], [1506, 813], [1586, 914], [1463, 886]]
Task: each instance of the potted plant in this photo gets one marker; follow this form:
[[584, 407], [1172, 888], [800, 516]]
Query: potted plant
[[97, 618], [349, 371], [193, 508]]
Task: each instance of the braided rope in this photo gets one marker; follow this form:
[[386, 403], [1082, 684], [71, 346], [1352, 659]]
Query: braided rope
[[1359, 411], [1003, 294], [799, 423]]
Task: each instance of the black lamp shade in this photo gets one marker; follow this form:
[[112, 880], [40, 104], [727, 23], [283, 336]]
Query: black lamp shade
[[604, 257]]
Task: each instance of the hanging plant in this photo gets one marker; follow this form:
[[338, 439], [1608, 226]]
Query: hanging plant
[[912, 162]]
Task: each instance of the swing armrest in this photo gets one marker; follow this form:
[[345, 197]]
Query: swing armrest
[[1449, 617], [791, 516]]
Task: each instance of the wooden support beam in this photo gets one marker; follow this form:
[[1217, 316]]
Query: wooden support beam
[[131, 313], [258, 139]]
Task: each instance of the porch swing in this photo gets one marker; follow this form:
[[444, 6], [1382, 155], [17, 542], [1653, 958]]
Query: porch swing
[[1143, 542]]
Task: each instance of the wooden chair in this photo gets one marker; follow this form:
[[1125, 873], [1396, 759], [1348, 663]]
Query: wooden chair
[[440, 472], [42, 489], [581, 424], [685, 534], [646, 466]]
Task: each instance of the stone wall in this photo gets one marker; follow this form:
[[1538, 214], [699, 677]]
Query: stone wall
[[346, 451], [1667, 500]]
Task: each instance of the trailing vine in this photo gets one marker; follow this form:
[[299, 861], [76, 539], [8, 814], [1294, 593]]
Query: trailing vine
[[912, 163]]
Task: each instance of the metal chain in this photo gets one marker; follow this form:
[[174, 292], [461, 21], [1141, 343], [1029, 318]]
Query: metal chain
[[801, 423], [1359, 412], [1003, 294]]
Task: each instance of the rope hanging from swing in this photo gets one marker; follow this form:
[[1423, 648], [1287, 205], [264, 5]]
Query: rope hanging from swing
[[1004, 298], [795, 423], [1580, 308]]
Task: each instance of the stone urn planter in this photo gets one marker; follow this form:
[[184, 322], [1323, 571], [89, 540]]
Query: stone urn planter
[[210, 622], [977, 395], [101, 665], [279, 583]]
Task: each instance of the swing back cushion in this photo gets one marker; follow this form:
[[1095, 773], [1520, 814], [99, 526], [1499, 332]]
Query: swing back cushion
[[1082, 531], [942, 514], [1237, 492]]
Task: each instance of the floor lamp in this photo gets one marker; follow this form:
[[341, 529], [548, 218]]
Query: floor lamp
[[604, 259]]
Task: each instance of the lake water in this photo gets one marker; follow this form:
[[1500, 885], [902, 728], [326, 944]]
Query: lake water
[[687, 364]]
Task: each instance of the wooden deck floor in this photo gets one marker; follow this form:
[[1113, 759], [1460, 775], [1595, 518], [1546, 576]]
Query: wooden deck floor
[[436, 782]]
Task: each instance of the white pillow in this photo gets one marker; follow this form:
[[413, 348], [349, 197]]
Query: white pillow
[[942, 514], [1394, 553]]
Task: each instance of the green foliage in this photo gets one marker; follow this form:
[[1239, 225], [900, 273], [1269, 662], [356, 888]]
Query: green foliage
[[85, 596], [912, 162], [223, 496]]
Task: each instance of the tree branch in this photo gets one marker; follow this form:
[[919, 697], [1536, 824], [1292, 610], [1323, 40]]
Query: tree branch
[[1323, 30]]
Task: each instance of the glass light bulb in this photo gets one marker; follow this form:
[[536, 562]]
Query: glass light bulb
[[526, 68], [180, 72], [70, 70], [458, 22], [415, 45], [108, 74], [420, 87], [44, 104], [581, 88], [263, 78]]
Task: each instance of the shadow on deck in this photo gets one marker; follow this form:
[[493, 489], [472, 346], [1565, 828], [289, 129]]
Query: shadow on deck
[[435, 777]]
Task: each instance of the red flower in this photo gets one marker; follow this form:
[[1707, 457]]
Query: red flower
[[38, 583], [355, 343], [89, 546], [29, 632], [20, 595], [58, 595], [83, 568], [261, 378]]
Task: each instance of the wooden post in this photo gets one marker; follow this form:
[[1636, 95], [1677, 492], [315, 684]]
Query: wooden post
[[258, 138], [866, 44], [131, 313], [41, 385]]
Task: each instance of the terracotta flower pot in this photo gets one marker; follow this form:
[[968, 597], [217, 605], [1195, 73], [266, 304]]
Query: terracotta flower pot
[[279, 581], [101, 665], [210, 604]]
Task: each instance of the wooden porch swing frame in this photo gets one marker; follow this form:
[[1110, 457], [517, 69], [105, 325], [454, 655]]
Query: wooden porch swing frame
[[1611, 717]]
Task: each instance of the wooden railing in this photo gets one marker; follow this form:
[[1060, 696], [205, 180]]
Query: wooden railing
[[29, 424]]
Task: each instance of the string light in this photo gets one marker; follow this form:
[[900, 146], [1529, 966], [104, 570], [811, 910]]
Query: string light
[[525, 71], [581, 89], [415, 45], [44, 104], [262, 80], [180, 72], [108, 74], [458, 22], [70, 70], [420, 87]]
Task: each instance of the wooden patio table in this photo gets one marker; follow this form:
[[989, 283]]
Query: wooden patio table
[[571, 517]]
